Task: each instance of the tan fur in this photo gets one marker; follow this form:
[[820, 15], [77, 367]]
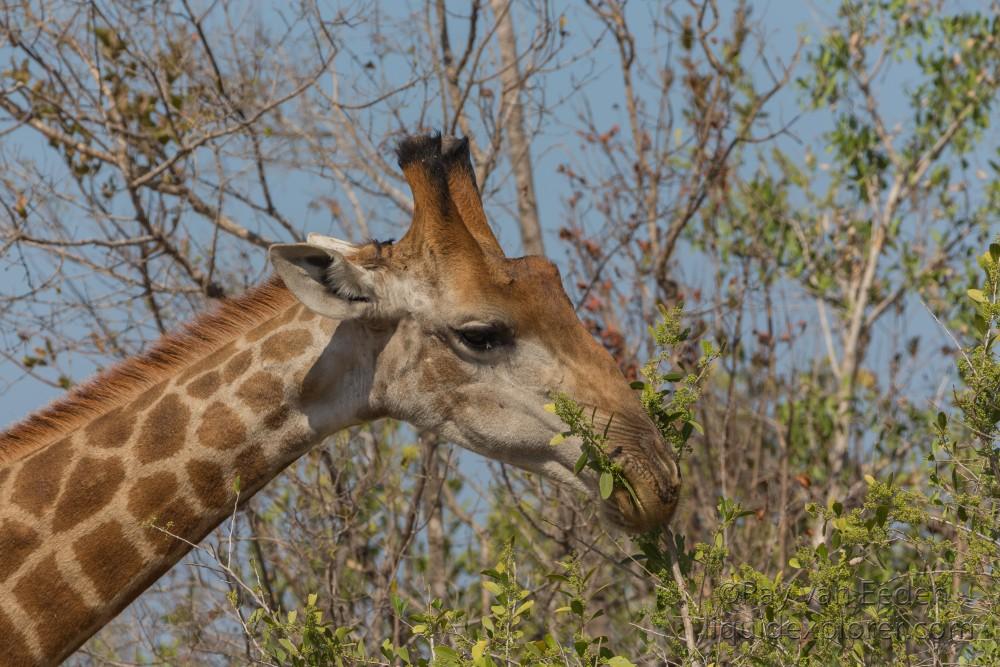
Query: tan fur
[[102, 492], [128, 379]]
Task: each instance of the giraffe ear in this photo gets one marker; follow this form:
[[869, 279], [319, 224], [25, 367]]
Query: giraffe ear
[[331, 243], [326, 282]]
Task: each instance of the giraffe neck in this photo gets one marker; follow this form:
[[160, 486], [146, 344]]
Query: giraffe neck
[[92, 519]]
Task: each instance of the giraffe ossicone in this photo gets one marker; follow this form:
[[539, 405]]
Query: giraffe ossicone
[[102, 492]]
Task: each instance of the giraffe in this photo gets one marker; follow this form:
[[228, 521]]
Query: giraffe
[[102, 492]]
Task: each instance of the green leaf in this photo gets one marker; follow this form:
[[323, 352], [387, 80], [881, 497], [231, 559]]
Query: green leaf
[[607, 484], [479, 649], [289, 646], [686, 431], [638, 384], [977, 296], [619, 661], [881, 514], [794, 562], [446, 653]]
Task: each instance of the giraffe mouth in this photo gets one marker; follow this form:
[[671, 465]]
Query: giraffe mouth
[[645, 461], [655, 478], [624, 512]]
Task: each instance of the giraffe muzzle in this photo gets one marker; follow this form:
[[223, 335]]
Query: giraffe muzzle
[[655, 479]]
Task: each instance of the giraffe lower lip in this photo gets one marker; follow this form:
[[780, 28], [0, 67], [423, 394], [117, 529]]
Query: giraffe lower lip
[[646, 511]]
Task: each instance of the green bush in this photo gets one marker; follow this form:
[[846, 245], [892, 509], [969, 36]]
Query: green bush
[[910, 572]]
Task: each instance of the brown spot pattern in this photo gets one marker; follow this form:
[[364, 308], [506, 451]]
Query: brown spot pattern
[[16, 542], [112, 429], [285, 345], [148, 397], [221, 428], [163, 432], [209, 482], [107, 558], [211, 361], [13, 649], [204, 386], [151, 493], [306, 315], [176, 519], [91, 486], [296, 442], [328, 326], [237, 366], [36, 486], [55, 608], [4, 474], [262, 391], [276, 418], [263, 330], [251, 465]]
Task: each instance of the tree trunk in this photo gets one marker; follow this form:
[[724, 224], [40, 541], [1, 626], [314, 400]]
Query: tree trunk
[[518, 142]]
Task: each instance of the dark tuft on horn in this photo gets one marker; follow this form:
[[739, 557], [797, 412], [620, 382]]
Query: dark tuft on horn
[[448, 211], [419, 148], [455, 153], [455, 149]]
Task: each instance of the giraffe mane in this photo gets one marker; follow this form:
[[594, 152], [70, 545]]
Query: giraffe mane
[[129, 378]]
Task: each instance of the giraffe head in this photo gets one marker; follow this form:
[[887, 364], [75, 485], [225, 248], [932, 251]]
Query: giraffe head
[[471, 344]]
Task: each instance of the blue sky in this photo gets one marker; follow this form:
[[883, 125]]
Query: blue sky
[[784, 23]]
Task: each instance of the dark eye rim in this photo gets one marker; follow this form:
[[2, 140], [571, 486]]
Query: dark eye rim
[[484, 337]]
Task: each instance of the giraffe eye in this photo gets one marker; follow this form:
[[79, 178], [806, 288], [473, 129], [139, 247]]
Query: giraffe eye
[[484, 337]]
